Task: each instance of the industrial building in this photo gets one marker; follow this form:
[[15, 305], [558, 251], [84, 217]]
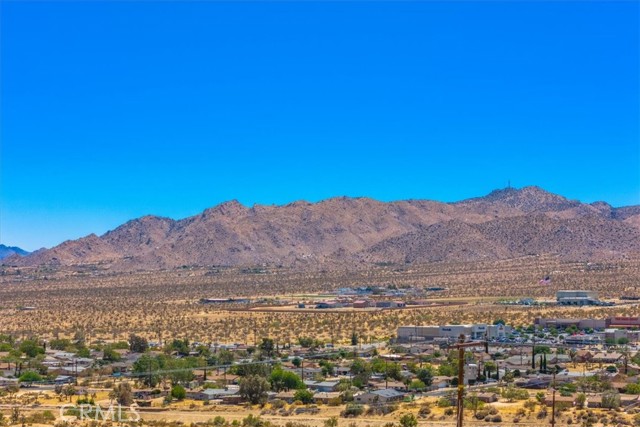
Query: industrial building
[[451, 332]]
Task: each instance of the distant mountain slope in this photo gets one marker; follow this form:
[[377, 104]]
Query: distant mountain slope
[[344, 231], [578, 238], [7, 251]]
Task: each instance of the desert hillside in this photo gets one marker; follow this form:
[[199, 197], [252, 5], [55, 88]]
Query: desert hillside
[[345, 232]]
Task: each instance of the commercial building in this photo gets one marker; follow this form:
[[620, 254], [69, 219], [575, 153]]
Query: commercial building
[[563, 323], [578, 298], [451, 332], [623, 322]]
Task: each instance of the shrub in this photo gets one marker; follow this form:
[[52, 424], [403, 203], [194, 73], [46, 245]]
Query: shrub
[[178, 392], [352, 410], [278, 403], [444, 402]]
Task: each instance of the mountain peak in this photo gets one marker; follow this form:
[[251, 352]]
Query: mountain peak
[[7, 251], [527, 199], [230, 207]]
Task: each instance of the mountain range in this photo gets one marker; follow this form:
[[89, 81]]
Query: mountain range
[[343, 232], [7, 251]]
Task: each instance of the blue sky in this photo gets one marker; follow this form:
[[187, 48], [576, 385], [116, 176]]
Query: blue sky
[[114, 110]]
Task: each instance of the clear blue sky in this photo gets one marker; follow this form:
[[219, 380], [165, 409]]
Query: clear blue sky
[[113, 110]]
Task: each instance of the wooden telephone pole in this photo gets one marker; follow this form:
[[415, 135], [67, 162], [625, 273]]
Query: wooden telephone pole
[[461, 345], [553, 401]]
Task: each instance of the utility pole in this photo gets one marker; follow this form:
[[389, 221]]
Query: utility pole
[[150, 384], [460, 414], [386, 374], [553, 400], [461, 345], [533, 348], [255, 333]]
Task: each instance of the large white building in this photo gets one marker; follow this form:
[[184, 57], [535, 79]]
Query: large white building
[[471, 332]]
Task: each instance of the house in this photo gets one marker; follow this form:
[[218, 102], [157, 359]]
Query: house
[[633, 369], [63, 379], [232, 399], [606, 357], [560, 401], [342, 371], [487, 397], [382, 384], [365, 351], [121, 367], [583, 356], [535, 383], [146, 394], [50, 361], [219, 378], [629, 399], [439, 382], [379, 396], [619, 385], [323, 386], [308, 372], [210, 394], [147, 398], [594, 401], [559, 359], [287, 396], [326, 397]]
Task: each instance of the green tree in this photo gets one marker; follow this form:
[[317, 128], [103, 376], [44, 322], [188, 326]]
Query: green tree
[[581, 399], [304, 396], [610, 399], [305, 342], [354, 338], [267, 347], [178, 392], [417, 385], [60, 344], [254, 388], [138, 344], [179, 346], [146, 368], [110, 354], [30, 376], [284, 380], [225, 357], [31, 348], [426, 376], [123, 394]]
